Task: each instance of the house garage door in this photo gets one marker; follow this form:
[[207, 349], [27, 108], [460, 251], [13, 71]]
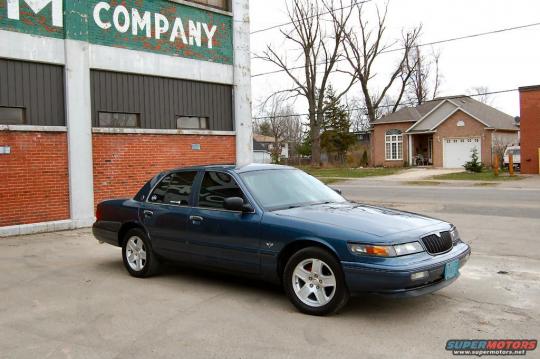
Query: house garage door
[[457, 151]]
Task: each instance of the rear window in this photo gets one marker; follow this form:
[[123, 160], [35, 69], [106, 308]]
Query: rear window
[[174, 189]]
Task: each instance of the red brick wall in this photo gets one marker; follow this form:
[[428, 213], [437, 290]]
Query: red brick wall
[[33, 178], [530, 129], [124, 162], [379, 146], [450, 129]]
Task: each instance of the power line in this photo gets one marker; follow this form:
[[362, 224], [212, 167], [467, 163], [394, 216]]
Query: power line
[[519, 27], [308, 17], [349, 110]]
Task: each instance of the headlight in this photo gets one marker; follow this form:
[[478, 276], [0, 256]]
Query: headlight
[[408, 248], [454, 234], [386, 251]]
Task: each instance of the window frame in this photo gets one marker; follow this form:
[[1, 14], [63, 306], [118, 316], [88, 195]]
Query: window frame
[[238, 183], [393, 141], [23, 109], [194, 187], [206, 118], [138, 125]]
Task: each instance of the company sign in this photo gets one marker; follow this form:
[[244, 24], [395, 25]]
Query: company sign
[[158, 26]]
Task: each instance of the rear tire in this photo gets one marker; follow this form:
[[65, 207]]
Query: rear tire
[[314, 282], [139, 259]]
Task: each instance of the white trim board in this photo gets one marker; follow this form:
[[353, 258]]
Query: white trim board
[[116, 59], [143, 131]]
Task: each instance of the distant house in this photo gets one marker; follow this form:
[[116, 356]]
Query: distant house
[[363, 138], [262, 149], [441, 133]]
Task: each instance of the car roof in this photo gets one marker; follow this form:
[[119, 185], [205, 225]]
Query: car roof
[[238, 169]]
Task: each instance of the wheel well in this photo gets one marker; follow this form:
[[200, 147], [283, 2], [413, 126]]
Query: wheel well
[[124, 229], [290, 249]]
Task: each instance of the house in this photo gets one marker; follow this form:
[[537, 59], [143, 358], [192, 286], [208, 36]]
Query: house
[[441, 133], [261, 153], [262, 149], [530, 129]]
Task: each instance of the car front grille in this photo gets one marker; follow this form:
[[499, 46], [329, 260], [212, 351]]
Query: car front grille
[[437, 245]]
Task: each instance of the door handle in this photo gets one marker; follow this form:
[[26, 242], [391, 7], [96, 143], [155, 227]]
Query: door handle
[[148, 213], [196, 218]]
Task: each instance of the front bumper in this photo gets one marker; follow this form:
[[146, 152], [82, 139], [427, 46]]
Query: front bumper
[[394, 280]]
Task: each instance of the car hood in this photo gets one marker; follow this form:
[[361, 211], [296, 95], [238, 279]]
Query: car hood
[[376, 221]]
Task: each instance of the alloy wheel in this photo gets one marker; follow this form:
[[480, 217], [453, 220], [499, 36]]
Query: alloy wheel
[[136, 253], [314, 283]]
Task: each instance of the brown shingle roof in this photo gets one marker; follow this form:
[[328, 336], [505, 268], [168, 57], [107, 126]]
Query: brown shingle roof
[[491, 116]]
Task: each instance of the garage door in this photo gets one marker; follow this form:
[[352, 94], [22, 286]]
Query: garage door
[[457, 151]]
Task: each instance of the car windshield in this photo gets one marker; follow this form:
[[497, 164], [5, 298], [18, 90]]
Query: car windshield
[[288, 188]]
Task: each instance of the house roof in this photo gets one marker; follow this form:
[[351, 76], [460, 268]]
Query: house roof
[[263, 138], [431, 114]]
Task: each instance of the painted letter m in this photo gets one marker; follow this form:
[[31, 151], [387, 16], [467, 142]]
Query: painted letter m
[[36, 6]]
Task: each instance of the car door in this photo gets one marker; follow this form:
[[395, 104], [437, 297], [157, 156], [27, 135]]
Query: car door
[[219, 237], [166, 214]]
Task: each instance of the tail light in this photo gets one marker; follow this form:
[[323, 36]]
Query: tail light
[[99, 213]]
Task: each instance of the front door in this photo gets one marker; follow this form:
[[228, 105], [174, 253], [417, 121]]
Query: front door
[[221, 238], [166, 214]]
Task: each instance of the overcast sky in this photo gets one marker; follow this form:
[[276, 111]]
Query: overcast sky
[[499, 61]]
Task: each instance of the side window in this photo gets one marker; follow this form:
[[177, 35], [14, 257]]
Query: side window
[[217, 186], [174, 189]]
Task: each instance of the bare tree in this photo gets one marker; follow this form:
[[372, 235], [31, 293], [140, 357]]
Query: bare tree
[[280, 122], [363, 49], [321, 44], [481, 93], [425, 81]]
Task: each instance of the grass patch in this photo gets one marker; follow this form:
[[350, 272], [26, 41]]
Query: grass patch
[[341, 172], [471, 176]]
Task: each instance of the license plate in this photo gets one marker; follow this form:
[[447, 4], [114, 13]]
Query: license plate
[[451, 270]]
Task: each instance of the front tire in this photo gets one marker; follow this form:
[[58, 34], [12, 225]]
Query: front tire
[[139, 259], [314, 282]]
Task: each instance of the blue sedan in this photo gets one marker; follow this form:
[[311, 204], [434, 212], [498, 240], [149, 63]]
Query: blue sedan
[[282, 225]]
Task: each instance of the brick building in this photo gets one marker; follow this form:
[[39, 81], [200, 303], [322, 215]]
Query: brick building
[[98, 96], [530, 129], [441, 133]]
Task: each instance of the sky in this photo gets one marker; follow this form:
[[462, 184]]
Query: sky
[[499, 61]]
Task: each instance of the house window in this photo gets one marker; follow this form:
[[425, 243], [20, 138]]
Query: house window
[[11, 116], [192, 123], [394, 145], [118, 119]]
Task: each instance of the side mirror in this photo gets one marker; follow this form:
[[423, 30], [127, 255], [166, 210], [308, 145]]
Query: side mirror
[[338, 191], [237, 204]]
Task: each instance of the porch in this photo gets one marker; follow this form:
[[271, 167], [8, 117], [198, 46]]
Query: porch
[[420, 152]]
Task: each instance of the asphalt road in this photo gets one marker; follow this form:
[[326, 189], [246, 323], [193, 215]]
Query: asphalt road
[[66, 296]]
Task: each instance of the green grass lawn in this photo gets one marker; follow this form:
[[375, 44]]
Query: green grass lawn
[[339, 172], [483, 176]]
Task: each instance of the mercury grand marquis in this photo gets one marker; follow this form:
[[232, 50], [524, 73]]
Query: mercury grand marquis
[[281, 225]]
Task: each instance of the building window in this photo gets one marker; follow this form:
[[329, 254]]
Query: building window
[[11, 116], [394, 145], [220, 4], [118, 119], [192, 123]]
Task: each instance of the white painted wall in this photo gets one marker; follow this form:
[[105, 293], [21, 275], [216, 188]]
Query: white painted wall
[[79, 124], [137, 62], [31, 48], [242, 82]]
